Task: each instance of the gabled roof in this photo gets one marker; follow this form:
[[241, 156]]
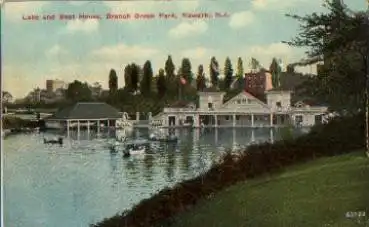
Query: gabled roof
[[180, 104], [248, 95], [87, 111]]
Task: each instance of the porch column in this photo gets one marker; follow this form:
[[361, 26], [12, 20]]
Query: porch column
[[234, 120], [252, 120], [137, 133], [68, 128], [252, 135], [137, 116], [78, 129], [216, 120], [149, 116], [271, 119], [234, 138], [108, 123], [196, 121], [216, 135], [88, 128], [98, 127]]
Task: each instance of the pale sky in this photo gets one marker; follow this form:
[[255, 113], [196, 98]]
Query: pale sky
[[34, 51]]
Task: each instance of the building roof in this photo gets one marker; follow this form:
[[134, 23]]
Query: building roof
[[179, 104], [87, 111], [309, 102]]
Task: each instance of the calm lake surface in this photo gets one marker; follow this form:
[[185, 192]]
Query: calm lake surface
[[82, 183]]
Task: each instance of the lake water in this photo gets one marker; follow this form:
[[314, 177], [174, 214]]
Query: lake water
[[82, 183]]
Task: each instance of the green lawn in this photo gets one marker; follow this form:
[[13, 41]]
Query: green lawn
[[318, 193]]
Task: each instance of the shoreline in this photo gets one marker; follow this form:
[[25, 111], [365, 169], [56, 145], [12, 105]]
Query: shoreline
[[338, 137]]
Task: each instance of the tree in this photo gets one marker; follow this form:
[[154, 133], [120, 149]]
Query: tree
[[228, 73], [276, 70], [200, 79], [169, 67], [255, 65], [145, 86], [135, 76], [113, 81], [78, 91], [186, 71], [341, 38], [128, 78], [161, 83], [214, 72], [240, 71]]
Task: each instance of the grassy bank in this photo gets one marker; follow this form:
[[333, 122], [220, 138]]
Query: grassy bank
[[338, 137], [318, 193]]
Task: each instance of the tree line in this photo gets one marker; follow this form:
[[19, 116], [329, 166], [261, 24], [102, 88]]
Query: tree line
[[168, 79]]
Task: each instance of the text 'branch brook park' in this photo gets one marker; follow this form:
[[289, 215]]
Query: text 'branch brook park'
[[125, 16]]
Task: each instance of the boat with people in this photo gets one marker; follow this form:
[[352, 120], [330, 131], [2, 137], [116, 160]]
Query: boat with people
[[161, 137], [58, 140], [134, 149]]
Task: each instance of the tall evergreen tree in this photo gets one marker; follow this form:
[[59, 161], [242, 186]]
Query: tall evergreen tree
[[240, 70], [228, 73], [127, 77], [186, 71], [161, 84], [200, 79], [276, 70], [145, 86], [214, 72], [113, 81], [169, 67], [135, 76]]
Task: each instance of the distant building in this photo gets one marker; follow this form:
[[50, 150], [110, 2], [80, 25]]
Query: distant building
[[257, 83], [53, 85]]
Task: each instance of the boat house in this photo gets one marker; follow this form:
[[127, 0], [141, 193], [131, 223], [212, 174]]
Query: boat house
[[84, 115], [242, 110]]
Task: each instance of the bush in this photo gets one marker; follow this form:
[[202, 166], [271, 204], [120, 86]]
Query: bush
[[339, 136], [18, 123]]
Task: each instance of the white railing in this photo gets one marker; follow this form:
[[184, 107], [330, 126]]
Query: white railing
[[156, 123]]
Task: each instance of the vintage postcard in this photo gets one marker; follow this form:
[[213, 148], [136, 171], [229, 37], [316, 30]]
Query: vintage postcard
[[129, 113]]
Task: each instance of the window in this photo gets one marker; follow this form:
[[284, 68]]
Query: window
[[244, 100], [238, 101], [227, 118], [279, 104], [237, 117], [210, 105]]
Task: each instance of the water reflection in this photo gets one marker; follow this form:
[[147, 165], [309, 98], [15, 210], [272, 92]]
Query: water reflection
[[148, 167], [84, 182]]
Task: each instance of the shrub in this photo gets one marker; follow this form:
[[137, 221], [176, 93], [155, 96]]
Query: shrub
[[339, 136]]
